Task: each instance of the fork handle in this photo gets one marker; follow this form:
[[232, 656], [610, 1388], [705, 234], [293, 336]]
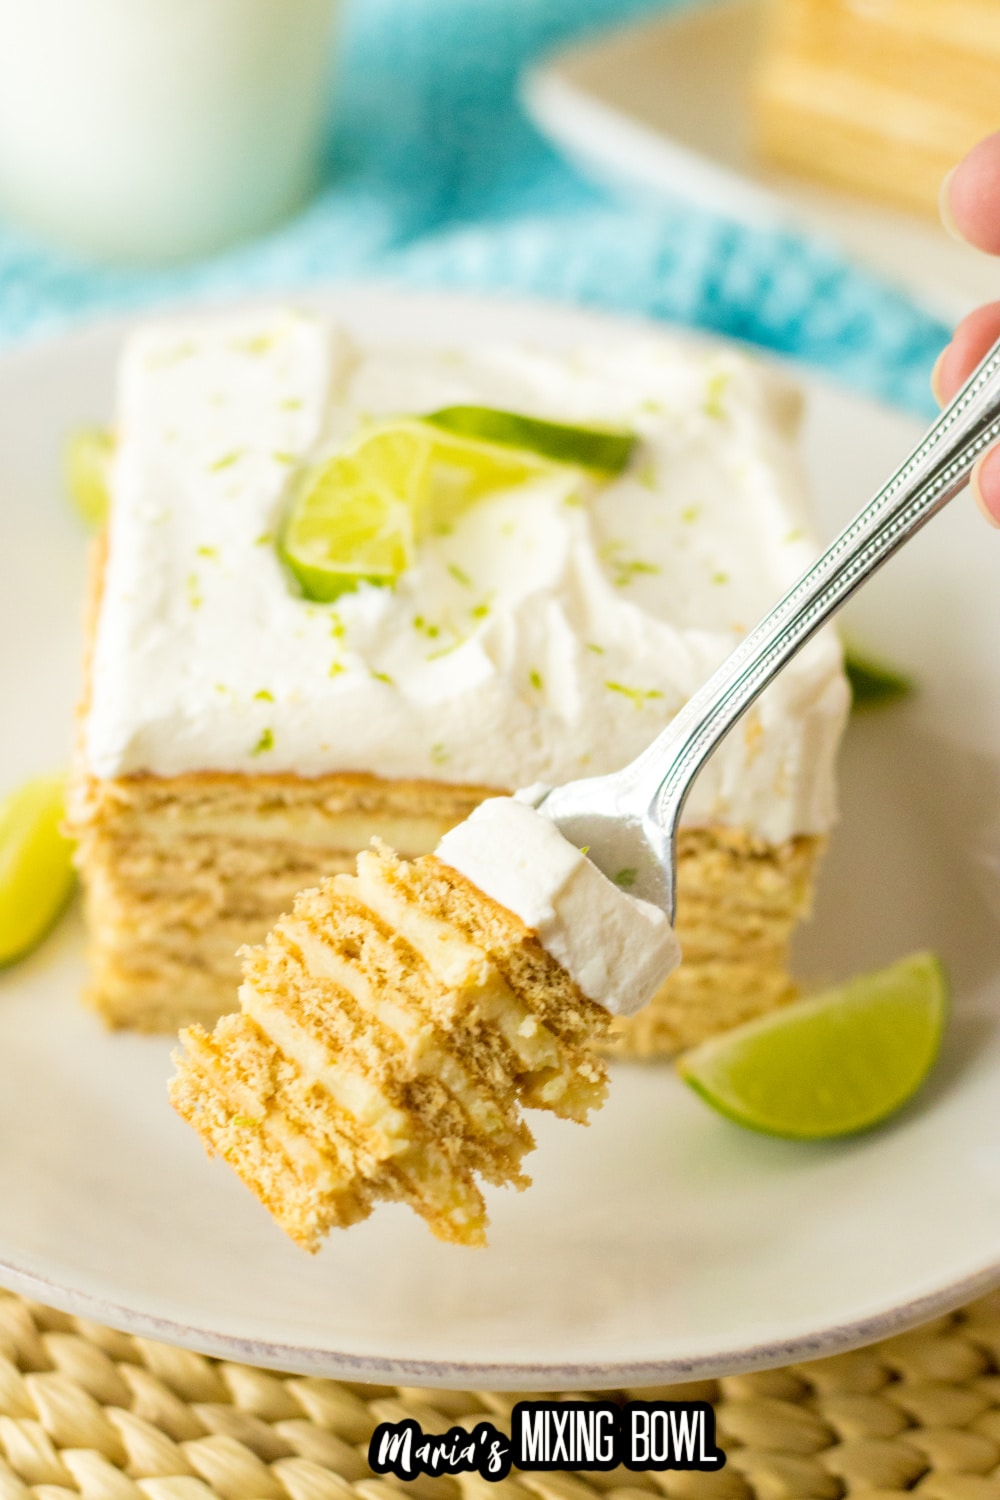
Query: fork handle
[[656, 784]]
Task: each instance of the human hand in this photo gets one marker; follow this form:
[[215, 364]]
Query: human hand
[[970, 208]]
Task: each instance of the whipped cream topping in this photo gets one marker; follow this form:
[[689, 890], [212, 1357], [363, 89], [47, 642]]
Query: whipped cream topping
[[618, 949], [549, 635]]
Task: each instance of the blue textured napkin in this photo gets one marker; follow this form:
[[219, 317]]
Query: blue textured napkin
[[434, 177]]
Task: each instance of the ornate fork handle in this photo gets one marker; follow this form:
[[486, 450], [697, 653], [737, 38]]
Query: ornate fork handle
[[658, 781]]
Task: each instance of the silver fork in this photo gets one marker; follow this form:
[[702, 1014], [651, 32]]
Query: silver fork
[[629, 820]]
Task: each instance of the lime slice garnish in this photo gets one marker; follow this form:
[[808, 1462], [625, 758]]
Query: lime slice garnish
[[36, 873], [872, 682], [352, 520], [357, 516], [830, 1065], [88, 460], [605, 450]]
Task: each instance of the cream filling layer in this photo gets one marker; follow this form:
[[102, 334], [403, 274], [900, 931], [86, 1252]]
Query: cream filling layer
[[618, 949]]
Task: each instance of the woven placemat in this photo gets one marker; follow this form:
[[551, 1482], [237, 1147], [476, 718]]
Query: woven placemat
[[85, 1411]]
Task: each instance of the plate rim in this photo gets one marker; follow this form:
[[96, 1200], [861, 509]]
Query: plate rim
[[836, 1338]]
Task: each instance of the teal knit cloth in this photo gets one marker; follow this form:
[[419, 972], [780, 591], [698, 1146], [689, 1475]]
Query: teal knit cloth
[[434, 177]]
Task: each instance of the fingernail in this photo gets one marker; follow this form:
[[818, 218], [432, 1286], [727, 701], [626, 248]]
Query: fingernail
[[985, 485], [936, 376], [944, 207]]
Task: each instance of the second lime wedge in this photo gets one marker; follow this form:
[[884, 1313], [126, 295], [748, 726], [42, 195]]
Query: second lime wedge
[[831, 1065], [36, 870]]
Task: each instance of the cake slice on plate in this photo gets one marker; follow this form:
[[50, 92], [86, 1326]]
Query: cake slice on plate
[[395, 1025], [542, 620]]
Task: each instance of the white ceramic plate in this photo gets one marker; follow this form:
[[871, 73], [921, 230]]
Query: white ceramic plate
[[663, 1241], [663, 106]]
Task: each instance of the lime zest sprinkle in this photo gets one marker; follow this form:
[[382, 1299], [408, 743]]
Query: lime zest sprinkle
[[627, 878], [264, 696], [259, 343], [336, 667], [294, 403], [246, 1122], [211, 552], [479, 611], [798, 535], [194, 595], [646, 475], [638, 696], [460, 575], [593, 646], [535, 678], [383, 677], [284, 458], [625, 568], [226, 461], [264, 540], [690, 514], [337, 627], [265, 743], [439, 754], [445, 650], [714, 405], [427, 628], [585, 849], [720, 578]]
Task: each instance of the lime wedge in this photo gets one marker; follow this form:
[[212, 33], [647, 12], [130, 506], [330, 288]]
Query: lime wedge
[[831, 1065], [605, 450], [36, 874], [88, 460], [873, 684], [357, 516]]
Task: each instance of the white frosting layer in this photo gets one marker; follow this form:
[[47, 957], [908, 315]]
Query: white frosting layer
[[618, 949], [550, 635]]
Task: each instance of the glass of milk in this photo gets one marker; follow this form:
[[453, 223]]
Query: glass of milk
[[153, 130]]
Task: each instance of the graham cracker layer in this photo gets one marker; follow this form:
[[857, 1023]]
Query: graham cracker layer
[[392, 1029]]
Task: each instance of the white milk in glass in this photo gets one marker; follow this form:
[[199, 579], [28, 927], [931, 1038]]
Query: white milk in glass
[[158, 129]]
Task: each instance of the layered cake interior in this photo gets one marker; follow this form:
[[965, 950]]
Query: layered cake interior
[[394, 1026], [240, 742]]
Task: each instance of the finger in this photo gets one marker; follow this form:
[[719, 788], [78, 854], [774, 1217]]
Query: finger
[[985, 484], [971, 342], [970, 196]]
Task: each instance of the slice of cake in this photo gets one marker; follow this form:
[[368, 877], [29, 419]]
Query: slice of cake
[[882, 97], [240, 742], [395, 1024]]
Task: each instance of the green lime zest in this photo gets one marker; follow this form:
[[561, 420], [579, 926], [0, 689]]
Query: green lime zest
[[87, 465], [873, 684], [832, 1065], [603, 450], [36, 869]]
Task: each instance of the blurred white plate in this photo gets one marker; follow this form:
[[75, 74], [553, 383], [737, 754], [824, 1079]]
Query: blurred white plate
[[661, 1242], [663, 106]]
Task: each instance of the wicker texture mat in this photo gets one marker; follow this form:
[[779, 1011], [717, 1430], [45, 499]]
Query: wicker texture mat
[[88, 1412]]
